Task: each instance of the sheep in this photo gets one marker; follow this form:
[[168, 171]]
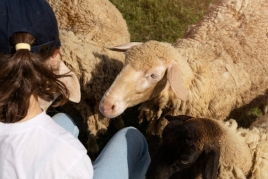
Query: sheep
[[257, 139], [200, 148], [86, 28], [217, 67]]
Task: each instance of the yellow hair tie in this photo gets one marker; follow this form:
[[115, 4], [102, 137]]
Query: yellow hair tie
[[22, 46]]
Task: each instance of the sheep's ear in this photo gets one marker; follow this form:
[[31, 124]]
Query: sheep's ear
[[181, 118], [176, 82], [124, 47], [211, 161], [71, 82]]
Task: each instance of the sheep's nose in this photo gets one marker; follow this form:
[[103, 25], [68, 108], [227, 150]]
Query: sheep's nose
[[108, 109]]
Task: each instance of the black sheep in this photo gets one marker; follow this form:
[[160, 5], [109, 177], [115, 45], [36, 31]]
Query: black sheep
[[198, 148]]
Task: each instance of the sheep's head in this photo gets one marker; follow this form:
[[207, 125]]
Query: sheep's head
[[185, 151], [179, 150], [149, 69]]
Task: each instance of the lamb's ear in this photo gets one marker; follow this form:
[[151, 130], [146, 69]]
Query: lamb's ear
[[211, 161], [124, 47], [176, 82]]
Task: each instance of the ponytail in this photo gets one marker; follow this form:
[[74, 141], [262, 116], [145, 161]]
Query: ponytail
[[23, 74]]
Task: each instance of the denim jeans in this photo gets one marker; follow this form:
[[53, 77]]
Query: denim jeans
[[67, 123], [125, 156]]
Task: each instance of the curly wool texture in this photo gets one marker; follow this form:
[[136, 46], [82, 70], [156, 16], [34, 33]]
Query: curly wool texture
[[99, 20], [256, 137], [245, 166], [252, 164], [236, 156], [227, 54], [243, 151], [87, 27]]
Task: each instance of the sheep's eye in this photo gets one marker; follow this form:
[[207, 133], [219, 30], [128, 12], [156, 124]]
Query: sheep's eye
[[154, 76]]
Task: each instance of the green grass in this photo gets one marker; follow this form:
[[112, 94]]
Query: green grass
[[162, 20], [245, 119]]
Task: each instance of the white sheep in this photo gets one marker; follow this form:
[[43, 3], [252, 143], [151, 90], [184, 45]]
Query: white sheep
[[219, 65], [195, 147], [87, 27], [257, 139]]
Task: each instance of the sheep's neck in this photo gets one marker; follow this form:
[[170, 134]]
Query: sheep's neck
[[212, 130]]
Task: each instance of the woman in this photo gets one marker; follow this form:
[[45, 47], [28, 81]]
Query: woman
[[32, 144]]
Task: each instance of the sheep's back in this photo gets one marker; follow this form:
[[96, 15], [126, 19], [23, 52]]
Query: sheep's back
[[98, 19], [227, 50], [236, 156], [227, 53]]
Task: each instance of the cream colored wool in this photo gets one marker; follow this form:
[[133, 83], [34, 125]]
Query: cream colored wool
[[223, 59], [229, 46], [256, 137], [87, 27], [243, 151], [236, 160], [254, 162], [235, 155], [98, 19]]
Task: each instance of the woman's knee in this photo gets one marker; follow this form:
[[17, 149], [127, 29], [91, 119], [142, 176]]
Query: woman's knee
[[134, 137], [131, 133]]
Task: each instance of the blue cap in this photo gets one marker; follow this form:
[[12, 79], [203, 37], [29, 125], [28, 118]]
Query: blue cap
[[32, 16]]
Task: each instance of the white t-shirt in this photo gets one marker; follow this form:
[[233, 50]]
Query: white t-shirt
[[41, 149]]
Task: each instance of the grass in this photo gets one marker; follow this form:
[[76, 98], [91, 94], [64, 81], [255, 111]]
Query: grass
[[162, 20]]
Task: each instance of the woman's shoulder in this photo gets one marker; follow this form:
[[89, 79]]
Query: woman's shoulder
[[53, 150], [54, 131]]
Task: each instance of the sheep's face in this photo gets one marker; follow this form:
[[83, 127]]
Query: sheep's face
[[180, 150], [132, 87], [147, 70]]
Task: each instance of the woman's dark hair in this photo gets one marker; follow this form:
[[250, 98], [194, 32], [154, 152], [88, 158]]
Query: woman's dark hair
[[23, 74]]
